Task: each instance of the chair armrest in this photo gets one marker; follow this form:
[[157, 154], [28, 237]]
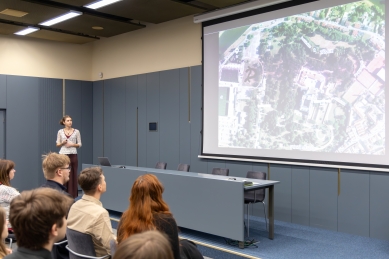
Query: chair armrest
[[60, 243], [86, 256]]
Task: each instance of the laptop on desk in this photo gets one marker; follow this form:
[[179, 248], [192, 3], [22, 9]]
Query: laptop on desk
[[104, 161]]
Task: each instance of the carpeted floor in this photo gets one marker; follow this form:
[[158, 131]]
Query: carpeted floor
[[290, 241], [293, 241]]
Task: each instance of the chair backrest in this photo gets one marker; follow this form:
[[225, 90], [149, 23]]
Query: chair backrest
[[183, 167], [161, 165], [221, 171], [258, 195], [80, 243]]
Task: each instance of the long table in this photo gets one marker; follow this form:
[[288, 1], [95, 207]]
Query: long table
[[208, 203]]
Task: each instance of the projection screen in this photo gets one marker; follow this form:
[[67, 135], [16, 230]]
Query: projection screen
[[303, 84]]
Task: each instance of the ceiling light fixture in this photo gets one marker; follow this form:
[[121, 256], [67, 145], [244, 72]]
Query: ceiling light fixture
[[101, 3], [61, 18], [26, 31]]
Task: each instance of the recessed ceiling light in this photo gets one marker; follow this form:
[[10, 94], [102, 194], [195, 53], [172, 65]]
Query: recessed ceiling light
[[61, 18], [101, 3], [27, 31], [97, 28], [14, 13]]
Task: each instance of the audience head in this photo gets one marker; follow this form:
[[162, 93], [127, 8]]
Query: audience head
[[145, 200], [38, 217], [3, 231], [63, 120], [7, 171], [56, 167], [149, 244], [146, 194], [92, 181]]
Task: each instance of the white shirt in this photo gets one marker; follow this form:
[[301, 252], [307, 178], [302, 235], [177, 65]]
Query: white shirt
[[7, 193], [75, 138]]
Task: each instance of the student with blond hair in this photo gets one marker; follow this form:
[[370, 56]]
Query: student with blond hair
[[148, 244], [56, 169], [38, 218]]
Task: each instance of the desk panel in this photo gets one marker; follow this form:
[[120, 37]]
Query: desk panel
[[207, 203]]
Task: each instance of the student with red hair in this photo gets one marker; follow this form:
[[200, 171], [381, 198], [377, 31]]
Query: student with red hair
[[148, 211]]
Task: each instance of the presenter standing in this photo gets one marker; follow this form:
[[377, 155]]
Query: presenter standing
[[69, 139]]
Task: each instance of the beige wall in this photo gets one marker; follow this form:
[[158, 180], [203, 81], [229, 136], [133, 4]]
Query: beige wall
[[159, 47], [41, 58]]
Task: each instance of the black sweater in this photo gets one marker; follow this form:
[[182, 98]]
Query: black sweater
[[166, 224]]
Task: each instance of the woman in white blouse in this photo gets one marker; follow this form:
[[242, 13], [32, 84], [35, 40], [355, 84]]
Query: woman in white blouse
[[7, 192], [69, 139]]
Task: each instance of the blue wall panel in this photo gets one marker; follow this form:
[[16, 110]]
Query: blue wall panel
[[169, 115], [108, 126], [131, 120], [323, 203], [153, 109], [300, 195], [79, 105], [117, 119], [2, 134], [22, 130], [261, 167], [185, 144], [282, 192], [142, 120], [87, 122], [239, 169], [353, 203], [98, 120], [50, 112], [196, 121], [3, 91], [379, 205]]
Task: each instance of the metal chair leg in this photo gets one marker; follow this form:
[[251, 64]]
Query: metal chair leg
[[264, 210]]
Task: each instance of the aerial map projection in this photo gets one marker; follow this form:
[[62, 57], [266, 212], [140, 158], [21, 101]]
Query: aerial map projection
[[308, 82]]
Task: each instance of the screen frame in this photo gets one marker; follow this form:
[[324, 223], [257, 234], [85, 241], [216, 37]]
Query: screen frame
[[275, 160]]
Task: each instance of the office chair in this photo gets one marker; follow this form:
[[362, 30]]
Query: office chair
[[80, 245], [183, 167], [221, 171], [161, 165], [256, 196]]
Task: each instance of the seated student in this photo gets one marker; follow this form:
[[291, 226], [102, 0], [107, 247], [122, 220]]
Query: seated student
[[146, 245], [148, 211], [7, 193], [56, 170], [87, 215], [4, 233], [38, 220]]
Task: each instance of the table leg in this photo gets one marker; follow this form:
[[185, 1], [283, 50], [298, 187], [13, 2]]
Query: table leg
[[271, 212]]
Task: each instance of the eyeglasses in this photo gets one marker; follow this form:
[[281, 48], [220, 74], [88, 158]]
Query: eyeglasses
[[69, 168]]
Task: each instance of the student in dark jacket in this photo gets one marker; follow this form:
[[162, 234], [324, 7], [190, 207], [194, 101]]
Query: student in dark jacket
[[56, 169], [38, 218], [148, 211]]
